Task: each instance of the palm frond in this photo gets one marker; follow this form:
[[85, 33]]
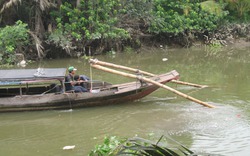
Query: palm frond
[[212, 7], [45, 4], [165, 151], [184, 147], [140, 146], [9, 4], [38, 44]]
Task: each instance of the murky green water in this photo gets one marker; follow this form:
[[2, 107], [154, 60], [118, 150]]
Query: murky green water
[[223, 130]]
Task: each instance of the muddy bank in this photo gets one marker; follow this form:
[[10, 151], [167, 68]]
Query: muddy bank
[[237, 35]]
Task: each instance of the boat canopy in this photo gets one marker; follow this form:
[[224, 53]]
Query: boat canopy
[[20, 76]]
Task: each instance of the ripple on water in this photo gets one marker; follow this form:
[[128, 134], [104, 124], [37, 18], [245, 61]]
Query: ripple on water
[[223, 130]]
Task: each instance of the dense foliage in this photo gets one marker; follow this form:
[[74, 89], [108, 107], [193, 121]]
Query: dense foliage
[[12, 40], [180, 16], [239, 10], [96, 26], [78, 27]]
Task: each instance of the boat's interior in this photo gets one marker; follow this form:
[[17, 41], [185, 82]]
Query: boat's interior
[[44, 88], [9, 91]]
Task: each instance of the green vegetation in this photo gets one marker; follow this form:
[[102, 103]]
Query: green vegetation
[[12, 40], [78, 27], [239, 10], [138, 146], [180, 16], [72, 27], [107, 147]]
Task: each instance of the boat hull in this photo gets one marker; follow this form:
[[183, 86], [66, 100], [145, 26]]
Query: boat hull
[[115, 94]]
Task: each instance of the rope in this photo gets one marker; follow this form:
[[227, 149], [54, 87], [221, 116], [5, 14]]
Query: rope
[[50, 90], [91, 78]]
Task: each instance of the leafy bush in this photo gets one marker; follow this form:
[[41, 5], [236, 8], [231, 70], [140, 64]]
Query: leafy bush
[[108, 147], [90, 21], [12, 39], [177, 16]]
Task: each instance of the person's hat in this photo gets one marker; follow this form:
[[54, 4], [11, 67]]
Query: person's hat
[[71, 68]]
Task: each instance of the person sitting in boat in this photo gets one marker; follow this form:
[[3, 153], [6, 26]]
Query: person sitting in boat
[[71, 83], [82, 79]]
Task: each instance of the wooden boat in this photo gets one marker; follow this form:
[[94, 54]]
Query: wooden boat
[[43, 89]]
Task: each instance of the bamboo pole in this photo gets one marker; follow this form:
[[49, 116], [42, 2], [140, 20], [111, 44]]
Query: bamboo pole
[[95, 61], [153, 82], [189, 84]]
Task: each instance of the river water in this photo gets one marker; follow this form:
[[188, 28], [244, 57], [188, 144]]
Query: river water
[[223, 130]]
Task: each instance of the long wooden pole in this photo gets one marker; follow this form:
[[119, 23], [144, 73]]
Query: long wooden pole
[[153, 82], [95, 61], [189, 84]]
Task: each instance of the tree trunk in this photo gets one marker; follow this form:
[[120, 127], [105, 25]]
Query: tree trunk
[[39, 27], [78, 3]]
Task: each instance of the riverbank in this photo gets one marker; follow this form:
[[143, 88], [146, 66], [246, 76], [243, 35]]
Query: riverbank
[[241, 43], [237, 35]]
